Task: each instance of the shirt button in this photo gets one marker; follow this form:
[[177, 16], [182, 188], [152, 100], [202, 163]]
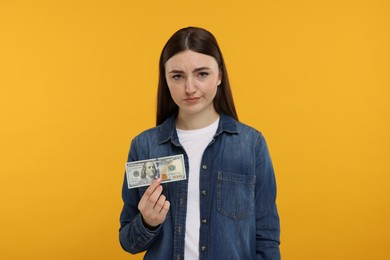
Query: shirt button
[[203, 248], [204, 193], [204, 221], [204, 167]]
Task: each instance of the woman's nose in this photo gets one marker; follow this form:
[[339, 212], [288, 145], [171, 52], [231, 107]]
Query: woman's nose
[[190, 87]]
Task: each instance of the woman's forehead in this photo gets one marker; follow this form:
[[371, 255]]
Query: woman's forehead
[[190, 59]]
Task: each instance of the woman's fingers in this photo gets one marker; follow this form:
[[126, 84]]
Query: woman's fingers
[[165, 208], [149, 192], [155, 196], [160, 203], [153, 205]]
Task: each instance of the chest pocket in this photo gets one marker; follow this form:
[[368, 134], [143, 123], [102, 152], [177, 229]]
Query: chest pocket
[[236, 195]]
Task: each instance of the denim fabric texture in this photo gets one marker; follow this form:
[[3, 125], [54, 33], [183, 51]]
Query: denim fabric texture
[[239, 218]]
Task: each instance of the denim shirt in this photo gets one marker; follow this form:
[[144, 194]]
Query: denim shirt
[[239, 218]]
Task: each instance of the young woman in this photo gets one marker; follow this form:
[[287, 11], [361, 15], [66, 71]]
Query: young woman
[[226, 208]]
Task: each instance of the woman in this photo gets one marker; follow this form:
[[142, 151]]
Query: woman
[[226, 208]]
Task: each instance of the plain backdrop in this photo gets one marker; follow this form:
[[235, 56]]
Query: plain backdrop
[[78, 81]]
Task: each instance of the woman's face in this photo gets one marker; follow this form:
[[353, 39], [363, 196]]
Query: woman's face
[[193, 79]]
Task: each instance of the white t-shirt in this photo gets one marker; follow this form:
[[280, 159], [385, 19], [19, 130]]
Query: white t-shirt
[[194, 143]]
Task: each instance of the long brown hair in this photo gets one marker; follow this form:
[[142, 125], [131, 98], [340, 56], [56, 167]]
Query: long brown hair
[[201, 41]]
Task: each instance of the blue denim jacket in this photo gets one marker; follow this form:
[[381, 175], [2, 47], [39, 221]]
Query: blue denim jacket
[[239, 218]]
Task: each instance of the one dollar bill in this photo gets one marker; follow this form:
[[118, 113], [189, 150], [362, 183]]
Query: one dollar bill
[[142, 173]]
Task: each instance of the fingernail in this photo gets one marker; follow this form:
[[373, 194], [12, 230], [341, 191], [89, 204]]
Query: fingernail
[[159, 180]]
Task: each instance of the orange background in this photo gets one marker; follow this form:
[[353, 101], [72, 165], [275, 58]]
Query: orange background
[[78, 81]]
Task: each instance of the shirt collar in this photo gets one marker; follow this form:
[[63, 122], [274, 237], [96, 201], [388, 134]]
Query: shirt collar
[[167, 130]]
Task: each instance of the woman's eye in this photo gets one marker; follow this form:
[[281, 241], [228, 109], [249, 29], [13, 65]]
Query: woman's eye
[[177, 77], [203, 74]]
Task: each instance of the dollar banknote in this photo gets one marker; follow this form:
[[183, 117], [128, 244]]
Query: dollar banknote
[[142, 173]]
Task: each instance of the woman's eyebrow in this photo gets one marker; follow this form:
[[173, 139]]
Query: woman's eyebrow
[[176, 71], [195, 70], [201, 68]]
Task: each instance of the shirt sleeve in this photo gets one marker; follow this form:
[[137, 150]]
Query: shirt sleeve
[[134, 237], [267, 218]]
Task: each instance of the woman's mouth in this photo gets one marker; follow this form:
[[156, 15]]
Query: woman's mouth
[[191, 99]]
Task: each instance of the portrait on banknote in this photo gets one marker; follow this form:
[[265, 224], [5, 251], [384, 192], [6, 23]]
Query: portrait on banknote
[[148, 173]]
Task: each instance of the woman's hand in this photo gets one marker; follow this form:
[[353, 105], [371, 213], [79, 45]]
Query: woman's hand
[[153, 205]]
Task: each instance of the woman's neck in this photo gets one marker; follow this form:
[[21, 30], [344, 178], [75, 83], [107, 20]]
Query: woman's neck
[[195, 121]]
